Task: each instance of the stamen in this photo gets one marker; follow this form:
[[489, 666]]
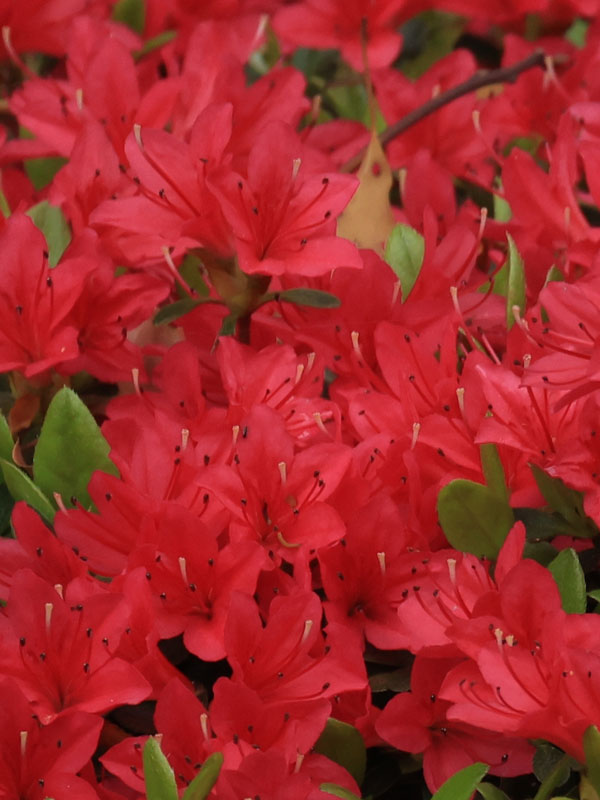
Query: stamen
[[396, 292], [59, 501], [299, 760], [307, 628], [204, 726], [135, 377], [381, 559], [185, 435], [235, 429], [499, 637], [59, 590], [310, 360], [284, 543], [319, 421], [137, 132], [296, 164], [282, 471], [171, 264], [452, 570], [48, 608], [79, 98], [22, 734], [183, 569], [299, 371], [415, 434], [460, 396]]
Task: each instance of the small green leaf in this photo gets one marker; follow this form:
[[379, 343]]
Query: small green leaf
[[502, 210], [154, 43], [542, 524], [515, 295], [200, 787], [473, 518], [70, 449], [175, 310], [570, 580], [191, 272], [21, 487], [159, 777], [7, 503], [462, 784], [404, 252], [577, 33], [591, 748], [565, 501], [542, 552], [314, 298], [490, 792], [131, 13], [493, 471], [343, 744], [41, 171], [52, 223], [228, 326], [6, 440], [550, 764], [338, 791]]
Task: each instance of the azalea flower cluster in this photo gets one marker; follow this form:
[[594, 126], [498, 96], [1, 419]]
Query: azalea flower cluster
[[294, 492]]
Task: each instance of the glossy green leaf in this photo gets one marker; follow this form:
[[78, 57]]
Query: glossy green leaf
[[41, 171], [338, 791], [428, 37], [6, 440], [565, 501], [490, 792], [7, 503], [70, 449], [190, 270], [577, 33], [21, 487], [175, 310], [343, 744], [131, 13], [228, 326], [515, 295], [570, 580], [52, 223], [493, 471], [462, 784], [314, 298], [541, 525], [502, 210], [200, 787], [591, 748], [473, 518], [160, 40], [550, 764], [404, 252], [158, 775]]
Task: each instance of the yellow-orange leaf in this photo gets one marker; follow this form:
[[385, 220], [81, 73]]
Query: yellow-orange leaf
[[368, 220]]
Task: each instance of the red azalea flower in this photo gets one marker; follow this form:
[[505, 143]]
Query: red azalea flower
[[38, 761], [416, 722], [282, 218], [35, 301], [60, 651]]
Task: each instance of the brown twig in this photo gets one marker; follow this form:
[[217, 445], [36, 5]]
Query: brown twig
[[478, 81]]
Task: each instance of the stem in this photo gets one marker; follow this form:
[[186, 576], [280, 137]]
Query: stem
[[478, 81]]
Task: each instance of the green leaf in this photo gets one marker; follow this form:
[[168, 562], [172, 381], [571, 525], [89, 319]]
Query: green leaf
[[343, 744], [502, 210], [565, 501], [404, 252], [6, 440], [338, 791], [21, 487], [159, 777], [190, 271], [70, 449], [490, 792], [542, 525], [200, 787], [542, 552], [577, 33], [228, 326], [462, 784], [515, 295], [428, 37], [493, 471], [131, 13], [550, 764], [591, 748], [41, 171], [175, 310], [473, 518], [314, 298], [570, 580], [52, 223], [7, 503], [154, 43]]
